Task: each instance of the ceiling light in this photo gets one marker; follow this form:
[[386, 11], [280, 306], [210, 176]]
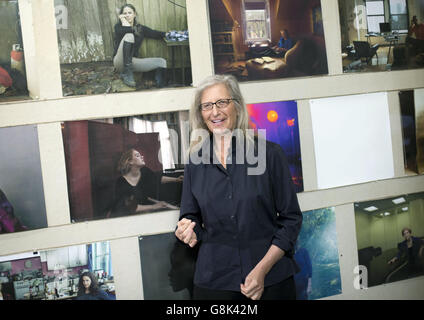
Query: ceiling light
[[398, 200], [371, 209]]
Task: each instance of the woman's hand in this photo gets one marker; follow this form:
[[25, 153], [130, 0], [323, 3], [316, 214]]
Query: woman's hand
[[185, 232], [160, 205], [253, 286], [393, 260], [124, 20]]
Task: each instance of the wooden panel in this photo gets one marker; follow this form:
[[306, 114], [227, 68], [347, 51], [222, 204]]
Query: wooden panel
[[82, 41], [78, 169]]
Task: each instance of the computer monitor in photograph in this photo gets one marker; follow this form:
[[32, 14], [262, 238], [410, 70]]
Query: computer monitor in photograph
[[385, 27]]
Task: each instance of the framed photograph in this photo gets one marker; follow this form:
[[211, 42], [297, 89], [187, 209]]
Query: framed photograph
[[280, 121], [267, 39], [167, 267], [115, 46], [13, 83], [59, 274], [390, 235], [317, 255], [22, 205], [124, 166], [381, 35], [412, 113]]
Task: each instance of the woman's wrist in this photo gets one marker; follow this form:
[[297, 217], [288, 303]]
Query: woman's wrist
[[270, 259]]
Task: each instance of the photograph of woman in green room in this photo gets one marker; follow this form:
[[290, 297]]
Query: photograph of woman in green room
[[388, 248], [267, 39], [119, 46]]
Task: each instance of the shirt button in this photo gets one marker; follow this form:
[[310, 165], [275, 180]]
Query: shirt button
[[230, 196], [233, 217]]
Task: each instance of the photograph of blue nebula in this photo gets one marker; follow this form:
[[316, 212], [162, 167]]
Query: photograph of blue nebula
[[280, 121], [317, 256]]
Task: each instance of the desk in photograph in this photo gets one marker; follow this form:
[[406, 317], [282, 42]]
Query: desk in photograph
[[389, 38], [174, 45]]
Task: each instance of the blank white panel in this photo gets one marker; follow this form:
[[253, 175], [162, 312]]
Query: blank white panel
[[352, 139]]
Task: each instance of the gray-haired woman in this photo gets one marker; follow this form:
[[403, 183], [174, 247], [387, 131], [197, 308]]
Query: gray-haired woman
[[245, 224]]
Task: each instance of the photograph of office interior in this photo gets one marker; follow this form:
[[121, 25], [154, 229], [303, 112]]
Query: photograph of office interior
[[56, 274], [381, 35], [351, 129]]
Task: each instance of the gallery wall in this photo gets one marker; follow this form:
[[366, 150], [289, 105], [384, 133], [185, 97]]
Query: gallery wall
[[48, 109]]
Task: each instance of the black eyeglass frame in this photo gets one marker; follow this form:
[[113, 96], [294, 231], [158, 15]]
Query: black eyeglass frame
[[207, 106]]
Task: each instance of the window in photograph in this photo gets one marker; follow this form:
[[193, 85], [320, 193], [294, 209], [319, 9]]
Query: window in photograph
[[375, 14], [257, 22], [399, 15]]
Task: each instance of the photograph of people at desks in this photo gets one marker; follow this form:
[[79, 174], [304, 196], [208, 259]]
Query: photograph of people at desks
[[82, 272], [381, 35]]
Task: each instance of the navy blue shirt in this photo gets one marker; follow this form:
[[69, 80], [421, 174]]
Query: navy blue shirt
[[285, 43], [239, 216], [100, 295]]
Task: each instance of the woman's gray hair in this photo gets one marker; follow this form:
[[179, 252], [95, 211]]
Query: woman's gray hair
[[230, 82]]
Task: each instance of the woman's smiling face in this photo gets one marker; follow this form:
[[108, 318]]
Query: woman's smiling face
[[218, 120]]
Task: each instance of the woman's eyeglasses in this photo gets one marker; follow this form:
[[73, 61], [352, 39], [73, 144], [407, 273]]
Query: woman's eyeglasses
[[220, 104]]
